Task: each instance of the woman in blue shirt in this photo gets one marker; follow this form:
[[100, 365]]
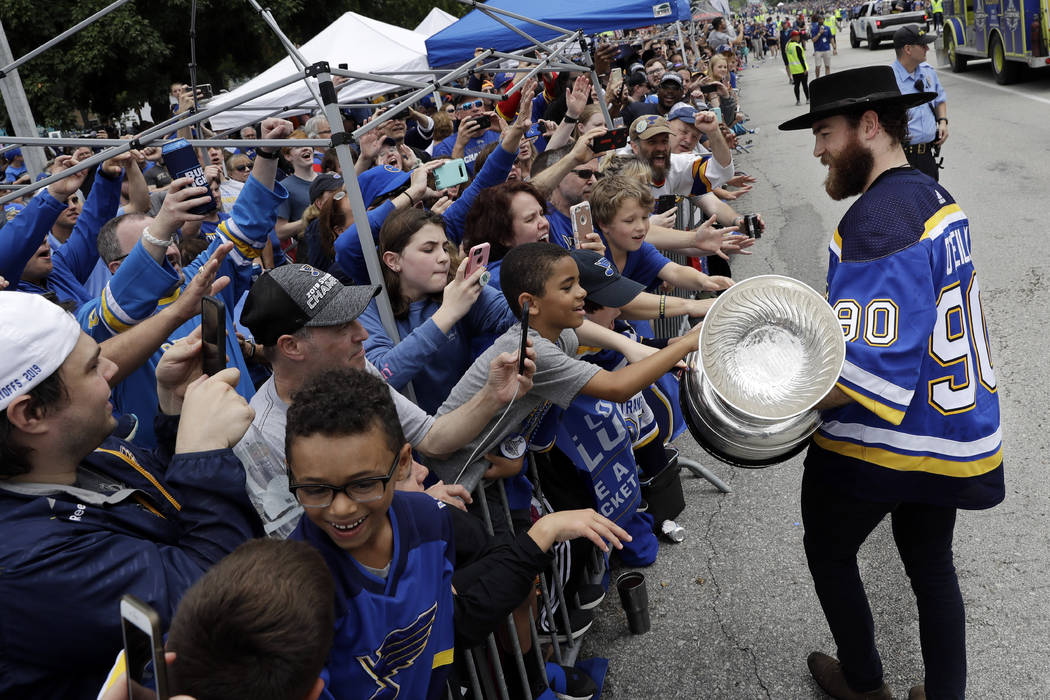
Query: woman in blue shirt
[[440, 312]]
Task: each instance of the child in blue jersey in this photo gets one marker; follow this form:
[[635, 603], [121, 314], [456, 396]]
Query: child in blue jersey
[[440, 312], [393, 553]]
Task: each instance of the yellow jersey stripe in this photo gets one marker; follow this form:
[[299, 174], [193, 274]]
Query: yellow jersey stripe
[[910, 463], [443, 658], [935, 221], [700, 171], [890, 415], [114, 323]]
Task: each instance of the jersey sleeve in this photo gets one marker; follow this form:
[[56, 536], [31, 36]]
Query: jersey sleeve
[[130, 296], [887, 310]]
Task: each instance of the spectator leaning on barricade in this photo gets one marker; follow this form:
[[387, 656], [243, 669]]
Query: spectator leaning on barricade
[[414, 578], [86, 517]]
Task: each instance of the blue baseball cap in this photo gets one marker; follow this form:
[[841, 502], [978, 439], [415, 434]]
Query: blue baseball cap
[[13, 153], [501, 79], [382, 180], [682, 111]]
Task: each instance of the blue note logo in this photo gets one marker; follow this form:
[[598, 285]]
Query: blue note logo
[[399, 650]]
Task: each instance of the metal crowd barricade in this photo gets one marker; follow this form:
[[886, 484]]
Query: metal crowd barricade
[[687, 216], [484, 664]]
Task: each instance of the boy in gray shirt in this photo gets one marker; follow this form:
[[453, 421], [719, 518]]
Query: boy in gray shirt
[[545, 276]]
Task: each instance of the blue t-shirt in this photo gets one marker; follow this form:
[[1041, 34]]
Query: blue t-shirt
[[470, 152], [821, 34], [298, 198], [560, 232]]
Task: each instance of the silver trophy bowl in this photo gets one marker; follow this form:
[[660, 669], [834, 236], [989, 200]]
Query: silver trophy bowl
[[769, 350]]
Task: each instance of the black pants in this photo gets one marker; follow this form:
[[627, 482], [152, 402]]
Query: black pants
[[803, 80], [836, 525], [924, 162]]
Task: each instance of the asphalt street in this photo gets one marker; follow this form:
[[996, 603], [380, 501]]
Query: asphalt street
[[733, 610]]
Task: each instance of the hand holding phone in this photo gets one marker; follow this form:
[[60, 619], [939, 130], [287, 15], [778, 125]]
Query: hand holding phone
[[610, 140], [213, 335], [450, 174], [582, 223], [143, 648], [478, 257]]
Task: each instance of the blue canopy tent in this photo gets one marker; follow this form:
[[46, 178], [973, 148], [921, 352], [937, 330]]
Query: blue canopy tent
[[455, 44]]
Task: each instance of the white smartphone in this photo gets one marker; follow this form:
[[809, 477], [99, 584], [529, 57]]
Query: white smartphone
[[581, 222], [143, 648]]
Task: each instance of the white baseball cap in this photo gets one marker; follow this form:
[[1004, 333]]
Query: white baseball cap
[[36, 337]]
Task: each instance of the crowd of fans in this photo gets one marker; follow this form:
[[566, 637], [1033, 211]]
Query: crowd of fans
[[117, 465]]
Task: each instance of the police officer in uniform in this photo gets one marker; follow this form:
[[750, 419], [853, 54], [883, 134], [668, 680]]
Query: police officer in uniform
[[927, 123]]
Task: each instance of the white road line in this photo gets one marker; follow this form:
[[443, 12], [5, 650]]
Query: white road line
[[1003, 88]]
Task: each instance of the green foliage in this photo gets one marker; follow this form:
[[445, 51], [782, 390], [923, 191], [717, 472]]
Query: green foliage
[[133, 54]]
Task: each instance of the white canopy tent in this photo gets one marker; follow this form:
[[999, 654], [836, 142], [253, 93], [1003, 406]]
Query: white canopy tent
[[366, 45], [436, 20]]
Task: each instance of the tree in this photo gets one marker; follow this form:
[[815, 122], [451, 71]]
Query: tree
[[133, 54]]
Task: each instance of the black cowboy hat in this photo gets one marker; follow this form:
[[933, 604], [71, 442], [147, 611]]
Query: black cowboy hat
[[854, 91]]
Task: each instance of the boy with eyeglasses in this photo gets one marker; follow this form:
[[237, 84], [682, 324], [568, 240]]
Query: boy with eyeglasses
[[408, 586]]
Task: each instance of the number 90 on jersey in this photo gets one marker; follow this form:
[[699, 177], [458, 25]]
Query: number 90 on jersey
[[958, 342]]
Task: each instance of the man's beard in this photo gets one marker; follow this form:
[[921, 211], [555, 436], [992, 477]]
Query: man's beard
[[848, 171]]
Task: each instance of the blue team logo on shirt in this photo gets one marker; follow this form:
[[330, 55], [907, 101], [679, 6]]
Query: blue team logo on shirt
[[605, 265], [399, 650]]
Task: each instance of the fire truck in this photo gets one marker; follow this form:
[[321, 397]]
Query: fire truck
[[1012, 33]]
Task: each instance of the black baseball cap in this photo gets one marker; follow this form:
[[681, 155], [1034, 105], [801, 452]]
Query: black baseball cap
[[293, 296], [603, 284], [911, 34], [325, 182]]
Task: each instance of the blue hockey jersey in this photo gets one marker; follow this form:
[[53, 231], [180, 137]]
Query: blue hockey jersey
[[924, 424], [393, 637], [141, 286]]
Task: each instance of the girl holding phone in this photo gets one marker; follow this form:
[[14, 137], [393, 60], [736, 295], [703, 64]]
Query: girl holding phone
[[441, 312]]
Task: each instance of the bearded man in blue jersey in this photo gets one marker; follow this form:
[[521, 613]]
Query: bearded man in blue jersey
[[912, 427]]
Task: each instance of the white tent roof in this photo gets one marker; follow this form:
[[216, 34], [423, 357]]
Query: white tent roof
[[436, 20], [366, 45]]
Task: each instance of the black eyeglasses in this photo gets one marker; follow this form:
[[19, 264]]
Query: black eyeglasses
[[359, 490], [242, 168], [585, 173]]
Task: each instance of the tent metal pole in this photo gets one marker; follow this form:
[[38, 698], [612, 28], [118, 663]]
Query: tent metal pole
[[148, 136], [102, 143], [512, 15], [289, 47], [536, 42], [376, 77], [521, 82], [61, 37], [357, 203], [17, 104], [403, 102], [681, 42], [600, 92]]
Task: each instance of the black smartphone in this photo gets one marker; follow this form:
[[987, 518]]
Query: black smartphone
[[665, 202], [143, 649], [610, 140], [213, 335], [485, 121], [524, 337]]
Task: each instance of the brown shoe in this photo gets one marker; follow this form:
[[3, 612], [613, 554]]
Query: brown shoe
[[917, 692], [827, 671]]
